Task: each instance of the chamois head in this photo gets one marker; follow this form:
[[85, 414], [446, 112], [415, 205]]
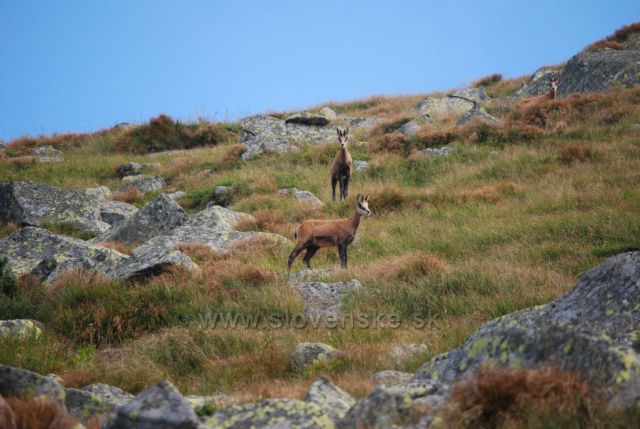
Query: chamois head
[[362, 205], [343, 136], [554, 85]]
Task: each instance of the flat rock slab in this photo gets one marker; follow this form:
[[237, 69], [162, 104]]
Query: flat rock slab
[[31, 203], [324, 299], [306, 118]]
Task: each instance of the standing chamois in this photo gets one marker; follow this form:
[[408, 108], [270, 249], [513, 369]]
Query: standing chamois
[[341, 166], [314, 234], [527, 103]]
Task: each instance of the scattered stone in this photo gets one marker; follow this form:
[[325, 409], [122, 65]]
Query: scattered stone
[[479, 95], [305, 196], [412, 127], [115, 212], [334, 401], [159, 216], [391, 378], [218, 218], [20, 328], [306, 118], [129, 169], [306, 354], [359, 166], [263, 133], [407, 352], [438, 107], [177, 195], [478, 115], [108, 394], [84, 404], [272, 413], [48, 154], [101, 192], [322, 300], [32, 203], [159, 407], [222, 189], [591, 330], [436, 152], [316, 274], [20, 382], [143, 183], [361, 123], [329, 113]]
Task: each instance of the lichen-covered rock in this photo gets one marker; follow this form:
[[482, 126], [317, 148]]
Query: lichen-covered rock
[[84, 404], [177, 195], [307, 118], [538, 84], [479, 95], [334, 401], [218, 218], [409, 405], [439, 151], [143, 183], [322, 300], [272, 413], [158, 217], [20, 382], [47, 255], [48, 154], [306, 196], [406, 352], [100, 192], [437, 107], [20, 328], [315, 134], [115, 212], [411, 128], [207, 406], [359, 165], [158, 407], [329, 113], [600, 71], [32, 203], [306, 354], [109, 394], [390, 377], [361, 122], [478, 115], [263, 133], [592, 330], [129, 169]]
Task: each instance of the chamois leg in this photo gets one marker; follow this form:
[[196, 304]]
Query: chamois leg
[[342, 251], [311, 251], [293, 256], [346, 187], [334, 182], [342, 188]]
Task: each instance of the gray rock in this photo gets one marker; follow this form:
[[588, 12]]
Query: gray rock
[[159, 216], [329, 113], [390, 377], [411, 405], [478, 115], [314, 134], [20, 328], [438, 107], [306, 196], [538, 84], [272, 414], [306, 354], [48, 154], [591, 330], [218, 218], [263, 133], [334, 401], [359, 166], [177, 195], [143, 183], [361, 123], [84, 404], [437, 152], [317, 274], [206, 406], [322, 300], [129, 169], [600, 71], [306, 118], [115, 212], [222, 189], [479, 95], [20, 382], [406, 352], [42, 253], [109, 394], [158, 407], [101, 192], [32, 203]]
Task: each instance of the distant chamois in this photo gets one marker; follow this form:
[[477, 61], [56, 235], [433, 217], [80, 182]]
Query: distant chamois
[[314, 234], [534, 101], [341, 166]]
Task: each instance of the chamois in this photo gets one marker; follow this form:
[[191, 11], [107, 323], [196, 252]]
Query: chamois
[[341, 166], [314, 234], [534, 101]]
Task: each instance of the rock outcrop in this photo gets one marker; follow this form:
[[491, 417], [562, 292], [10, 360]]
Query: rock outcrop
[[20, 328], [478, 115], [334, 401], [306, 118], [115, 212], [263, 133], [48, 154], [129, 169], [306, 354], [142, 183], [32, 203], [438, 107], [322, 300], [20, 382]]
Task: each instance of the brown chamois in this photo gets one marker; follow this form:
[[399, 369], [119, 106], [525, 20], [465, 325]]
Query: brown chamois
[[341, 166], [314, 234], [527, 103]]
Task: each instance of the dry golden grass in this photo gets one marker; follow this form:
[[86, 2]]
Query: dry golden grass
[[37, 413], [616, 40], [22, 160], [131, 195], [574, 153], [403, 267], [117, 246]]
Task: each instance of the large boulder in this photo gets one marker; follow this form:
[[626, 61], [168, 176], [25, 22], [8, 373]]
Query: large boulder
[[46, 255], [479, 95], [592, 330], [272, 413], [115, 212], [109, 394], [48, 154], [129, 169], [158, 217], [538, 84], [478, 115], [20, 382], [158, 407], [600, 71], [322, 300], [315, 134], [334, 401], [438, 107], [412, 127], [306, 118], [31, 203], [20, 328], [304, 196], [263, 133], [306, 354], [142, 183], [83, 404]]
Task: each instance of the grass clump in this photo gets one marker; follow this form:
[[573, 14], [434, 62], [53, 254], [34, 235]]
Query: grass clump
[[617, 40]]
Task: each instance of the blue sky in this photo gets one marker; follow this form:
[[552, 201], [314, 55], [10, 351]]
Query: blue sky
[[84, 65]]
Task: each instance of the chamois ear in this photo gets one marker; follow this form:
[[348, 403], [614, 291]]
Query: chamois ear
[[366, 197], [358, 198], [339, 132], [346, 131]]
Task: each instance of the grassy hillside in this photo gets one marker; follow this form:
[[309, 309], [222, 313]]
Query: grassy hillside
[[508, 221]]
